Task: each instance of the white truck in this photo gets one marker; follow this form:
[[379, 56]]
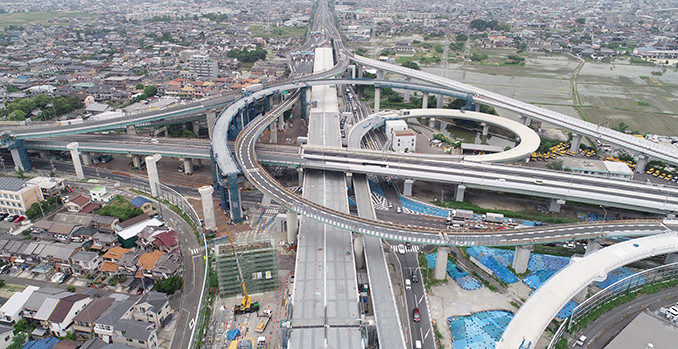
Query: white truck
[[463, 214], [247, 90], [494, 217]]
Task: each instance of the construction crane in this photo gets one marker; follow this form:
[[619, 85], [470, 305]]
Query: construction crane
[[246, 305]]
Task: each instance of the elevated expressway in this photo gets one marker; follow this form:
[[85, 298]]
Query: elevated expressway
[[534, 315], [641, 146]]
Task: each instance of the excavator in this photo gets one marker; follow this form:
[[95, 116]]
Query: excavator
[[246, 305]]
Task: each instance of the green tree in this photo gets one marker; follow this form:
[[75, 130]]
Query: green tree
[[150, 91], [461, 37], [555, 165], [411, 65], [2, 283], [621, 127], [478, 57], [41, 100], [24, 326], [12, 88], [139, 86], [439, 48], [170, 285], [20, 172], [18, 341], [17, 115], [70, 288], [580, 20]]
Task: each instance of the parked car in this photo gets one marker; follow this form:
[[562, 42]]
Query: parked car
[[11, 218], [3, 215], [19, 219]]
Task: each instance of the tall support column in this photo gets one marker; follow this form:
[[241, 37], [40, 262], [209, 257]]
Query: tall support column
[[459, 192], [407, 189], [432, 122], [281, 122], [152, 170], [211, 119], [439, 101], [292, 227], [234, 198], [592, 246], [208, 207], [554, 205], [407, 92], [441, 262], [671, 258], [19, 155], [377, 99], [424, 101], [576, 142], [360, 70], [486, 128], [188, 166], [477, 108], [86, 158], [75, 156], [196, 127], [274, 132], [131, 130], [352, 68], [525, 120], [349, 179], [304, 104], [641, 163], [136, 161], [521, 257], [300, 174], [359, 251]]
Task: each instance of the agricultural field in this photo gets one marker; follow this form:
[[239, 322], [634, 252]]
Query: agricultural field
[[19, 18], [258, 30]]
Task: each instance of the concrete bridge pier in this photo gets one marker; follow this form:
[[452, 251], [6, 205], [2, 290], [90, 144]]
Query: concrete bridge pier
[[554, 204], [188, 166], [432, 122], [671, 258], [349, 179], [459, 192], [131, 130], [152, 170], [359, 251], [292, 227], [424, 101], [521, 257], [300, 173], [43, 154], [576, 142], [196, 127], [75, 156], [486, 128], [352, 68], [281, 122], [442, 126], [377, 99], [211, 119], [439, 101], [19, 155], [208, 207], [136, 161], [592, 246], [525, 120], [359, 68], [407, 188], [86, 158], [441, 262], [641, 163], [407, 92], [274, 132]]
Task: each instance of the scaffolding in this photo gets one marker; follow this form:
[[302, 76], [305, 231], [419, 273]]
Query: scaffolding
[[259, 263]]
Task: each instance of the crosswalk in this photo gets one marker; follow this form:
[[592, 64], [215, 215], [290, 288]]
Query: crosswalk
[[412, 248], [379, 202], [195, 251]]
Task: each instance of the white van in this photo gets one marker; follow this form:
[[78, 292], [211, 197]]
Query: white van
[[408, 284]]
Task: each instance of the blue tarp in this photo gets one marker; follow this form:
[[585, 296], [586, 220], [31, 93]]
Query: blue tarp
[[233, 334], [465, 281], [423, 209], [46, 343], [479, 330]]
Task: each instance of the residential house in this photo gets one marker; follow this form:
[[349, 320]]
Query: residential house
[[147, 235], [67, 344], [11, 310], [135, 334], [103, 326], [103, 241], [167, 265], [59, 255], [130, 229], [105, 224], [84, 262], [45, 343], [36, 300], [127, 265], [83, 323], [46, 309], [62, 317], [166, 241], [6, 336], [77, 203], [62, 232], [146, 264], [83, 234], [100, 194], [142, 203], [111, 258], [153, 307]]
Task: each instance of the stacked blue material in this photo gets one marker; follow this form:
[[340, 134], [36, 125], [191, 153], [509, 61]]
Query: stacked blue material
[[479, 330], [465, 281]]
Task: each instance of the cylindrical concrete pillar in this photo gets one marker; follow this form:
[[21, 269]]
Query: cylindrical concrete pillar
[[152, 170], [188, 166], [377, 99], [196, 127], [86, 158], [424, 101], [486, 128], [407, 187], [459, 193], [292, 227], [274, 133], [439, 101], [576, 142], [441, 262], [301, 176], [73, 148], [641, 163], [521, 257], [208, 207], [211, 119], [136, 161], [131, 130]]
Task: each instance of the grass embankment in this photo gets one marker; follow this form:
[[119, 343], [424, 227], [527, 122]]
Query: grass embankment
[[19, 18]]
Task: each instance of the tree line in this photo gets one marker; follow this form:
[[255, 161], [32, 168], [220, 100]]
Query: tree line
[[48, 107], [246, 55]]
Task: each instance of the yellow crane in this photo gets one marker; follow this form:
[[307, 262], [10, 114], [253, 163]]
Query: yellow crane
[[246, 305]]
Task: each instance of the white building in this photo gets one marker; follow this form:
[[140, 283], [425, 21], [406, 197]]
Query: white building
[[17, 195], [9, 313], [404, 141], [100, 194], [201, 66], [598, 168], [393, 125]]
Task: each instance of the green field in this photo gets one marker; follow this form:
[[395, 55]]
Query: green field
[[258, 30], [19, 18]]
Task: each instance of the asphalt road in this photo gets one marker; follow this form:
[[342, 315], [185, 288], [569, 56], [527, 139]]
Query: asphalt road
[[603, 330]]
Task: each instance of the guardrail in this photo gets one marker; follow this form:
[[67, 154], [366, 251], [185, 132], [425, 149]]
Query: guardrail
[[631, 283]]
